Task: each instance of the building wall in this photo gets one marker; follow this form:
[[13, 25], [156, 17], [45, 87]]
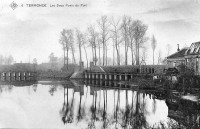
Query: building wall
[[175, 63], [194, 64]]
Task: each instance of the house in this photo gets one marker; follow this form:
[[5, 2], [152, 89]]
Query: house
[[190, 57], [177, 58]]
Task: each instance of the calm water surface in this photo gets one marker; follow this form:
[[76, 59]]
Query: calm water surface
[[53, 104]]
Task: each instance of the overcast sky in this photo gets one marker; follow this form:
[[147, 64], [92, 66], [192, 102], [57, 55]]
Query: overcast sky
[[29, 33]]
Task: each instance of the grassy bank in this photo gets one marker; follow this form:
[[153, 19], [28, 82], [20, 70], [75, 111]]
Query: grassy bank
[[54, 75]]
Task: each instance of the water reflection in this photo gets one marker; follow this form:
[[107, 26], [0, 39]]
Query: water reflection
[[73, 104], [108, 107]]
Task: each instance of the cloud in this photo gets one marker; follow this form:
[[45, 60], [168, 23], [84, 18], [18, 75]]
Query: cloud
[[175, 9], [36, 30], [180, 31]]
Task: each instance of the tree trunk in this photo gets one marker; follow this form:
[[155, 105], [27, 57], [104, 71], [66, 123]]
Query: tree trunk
[[132, 56], [80, 52], [118, 54], [132, 52], [67, 97], [103, 54], [153, 57], [106, 56], [95, 52], [64, 57], [92, 54], [113, 53], [73, 56], [67, 58], [137, 53], [86, 56], [99, 55], [125, 53]]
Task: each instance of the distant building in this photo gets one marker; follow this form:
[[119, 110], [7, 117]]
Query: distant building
[[189, 57], [177, 58], [17, 67], [192, 57]]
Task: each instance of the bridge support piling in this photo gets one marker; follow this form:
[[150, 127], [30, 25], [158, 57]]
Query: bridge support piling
[[110, 84], [97, 76], [93, 75], [106, 77], [85, 76], [89, 75], [115, 77], [101, 76], [120, 77], [110, 77], [101, 82], [126, 77], [115, 84]]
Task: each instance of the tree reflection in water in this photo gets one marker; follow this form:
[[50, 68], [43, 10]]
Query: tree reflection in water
[[104, 115], [130, 117], [1, 90], [81, 111], [130, 113], [100, 107], [6, 88], [52, 89], [35, 87], [68, 110]]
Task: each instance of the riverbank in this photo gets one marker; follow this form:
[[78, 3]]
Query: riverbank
[[54, 75]]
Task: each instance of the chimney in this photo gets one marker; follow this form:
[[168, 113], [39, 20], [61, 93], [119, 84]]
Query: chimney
[[178, 48]]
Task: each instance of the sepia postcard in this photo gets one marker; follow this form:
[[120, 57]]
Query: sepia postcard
[[100, 64]]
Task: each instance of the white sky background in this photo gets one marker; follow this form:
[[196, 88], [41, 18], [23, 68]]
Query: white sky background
[[28, 33]]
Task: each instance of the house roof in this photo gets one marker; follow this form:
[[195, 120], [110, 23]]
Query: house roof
[[194, 49], [178, 54]]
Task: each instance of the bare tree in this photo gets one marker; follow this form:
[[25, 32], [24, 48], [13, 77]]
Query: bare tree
[[99, 46], [131, 32], [144, 52], [34, 61], [159, 57], [93, 41], [79, 36], [153, 46], [124, 27], [1, 59], [168, 49], [67, 40], [84, 43], [115, 34], [140, 37], [104, 34], [113, 53], [64, 42], [9, 60], [53, 61], [71, 43]]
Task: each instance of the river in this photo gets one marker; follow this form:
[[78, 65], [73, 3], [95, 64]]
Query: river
[[57, 104]]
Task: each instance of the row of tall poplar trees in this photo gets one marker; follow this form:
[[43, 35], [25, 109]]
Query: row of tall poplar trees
[[122, 31]]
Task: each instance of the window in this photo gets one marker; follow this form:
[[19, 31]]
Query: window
[[149, 70]]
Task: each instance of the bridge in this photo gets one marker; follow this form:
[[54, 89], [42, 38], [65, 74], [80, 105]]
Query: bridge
[[17, 75], [18, 72], [122, 73]]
